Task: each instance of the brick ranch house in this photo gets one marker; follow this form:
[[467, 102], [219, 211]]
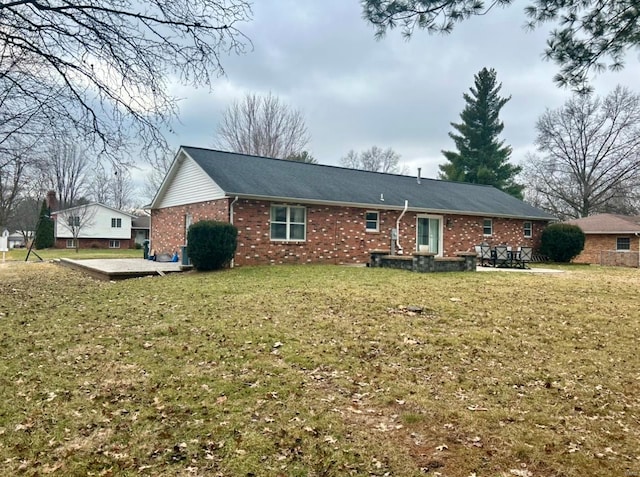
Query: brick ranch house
[[610, 239], [293, 212]]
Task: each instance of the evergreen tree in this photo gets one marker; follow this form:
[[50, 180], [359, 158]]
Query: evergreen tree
[[44, 232], [481, 157]]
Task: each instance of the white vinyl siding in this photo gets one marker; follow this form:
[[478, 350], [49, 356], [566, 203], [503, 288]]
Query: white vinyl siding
[[190, 184], [97, 223]]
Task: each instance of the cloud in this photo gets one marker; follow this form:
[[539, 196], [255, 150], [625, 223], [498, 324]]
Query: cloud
[[356, 92]]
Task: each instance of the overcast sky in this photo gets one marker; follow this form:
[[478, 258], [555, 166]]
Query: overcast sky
[[355, 92]]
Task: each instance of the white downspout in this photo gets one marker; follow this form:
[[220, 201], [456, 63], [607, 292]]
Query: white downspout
[[404, 211], [637, 234], [231, 221]]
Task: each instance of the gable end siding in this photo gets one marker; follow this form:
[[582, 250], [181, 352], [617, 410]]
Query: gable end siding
[[190, 185]]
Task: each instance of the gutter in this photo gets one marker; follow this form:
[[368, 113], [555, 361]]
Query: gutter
[[231, 222], [404, 211]]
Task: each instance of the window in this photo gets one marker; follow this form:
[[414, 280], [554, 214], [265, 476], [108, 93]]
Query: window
[[372, 220], [71, 243], [73, 221], [116, 223], [623, 243], [114, 243], [487, 227], [528, 229], [288, 223]]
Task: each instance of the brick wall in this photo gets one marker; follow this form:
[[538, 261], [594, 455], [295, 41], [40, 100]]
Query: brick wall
[[94, 243], [334, 234], [168, 225], [595, 244]]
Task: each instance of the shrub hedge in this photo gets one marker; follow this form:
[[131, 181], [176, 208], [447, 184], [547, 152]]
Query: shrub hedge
[[562, 242], [211, 245]]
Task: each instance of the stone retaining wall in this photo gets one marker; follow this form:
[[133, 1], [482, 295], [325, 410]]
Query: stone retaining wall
[[424, 262]]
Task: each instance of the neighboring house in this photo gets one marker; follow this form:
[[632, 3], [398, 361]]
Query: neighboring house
[[294, 212], [16, 239], [610, 239], [140, 229], [94, 225]]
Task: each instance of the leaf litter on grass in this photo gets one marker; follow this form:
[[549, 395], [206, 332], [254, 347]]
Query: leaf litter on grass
[[320, 371]]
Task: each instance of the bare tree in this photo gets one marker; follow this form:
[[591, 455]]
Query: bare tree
[[159, 168], [262, 126], [75, 220], [66, 166], [12, 171], [374, 159], [121, 189], [100, 67], [589, 155], [111, 186]]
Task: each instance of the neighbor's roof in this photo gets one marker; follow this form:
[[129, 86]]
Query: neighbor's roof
[[259, 177], [91, 204], [141, 222], [607, 224]]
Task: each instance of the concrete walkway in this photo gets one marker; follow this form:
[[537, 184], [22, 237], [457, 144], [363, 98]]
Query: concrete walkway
[[519, 270], [121, 268]]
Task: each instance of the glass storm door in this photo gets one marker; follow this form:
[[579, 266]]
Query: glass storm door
[[429, 235]]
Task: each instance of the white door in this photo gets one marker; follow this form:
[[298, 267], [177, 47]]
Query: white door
[[429, 235]]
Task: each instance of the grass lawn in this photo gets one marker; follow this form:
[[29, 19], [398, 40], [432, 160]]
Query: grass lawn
[[19, 254], [320, 371]]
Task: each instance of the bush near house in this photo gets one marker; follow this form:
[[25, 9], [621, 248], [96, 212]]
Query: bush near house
[[211, 244], [562, 242]]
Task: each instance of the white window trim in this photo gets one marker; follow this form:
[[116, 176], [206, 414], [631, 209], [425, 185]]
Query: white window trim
[[116, 223], [114, 242], [288, 223], [71, 243], [367, 229], [623, 249], [483, 227], [530, 230]]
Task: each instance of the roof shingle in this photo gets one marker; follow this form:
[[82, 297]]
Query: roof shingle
[[253, 176]]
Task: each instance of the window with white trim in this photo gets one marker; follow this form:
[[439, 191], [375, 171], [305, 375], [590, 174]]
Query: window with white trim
[[116, 223], [188, 220], [623, 244], [487, 227], [73, 221], [372, 221], [71, 243], [288, 223], [114, 243], [528, 229]]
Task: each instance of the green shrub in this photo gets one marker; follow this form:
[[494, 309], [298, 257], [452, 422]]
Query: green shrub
[[562, 242], [211, 245]]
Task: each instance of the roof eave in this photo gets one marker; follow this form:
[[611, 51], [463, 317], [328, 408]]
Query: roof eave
[[382, 206]]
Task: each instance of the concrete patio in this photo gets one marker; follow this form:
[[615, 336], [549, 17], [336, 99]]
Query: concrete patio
[[122, 268]]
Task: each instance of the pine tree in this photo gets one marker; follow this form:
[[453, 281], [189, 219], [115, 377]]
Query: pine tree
[[481, 157], [44, 232]]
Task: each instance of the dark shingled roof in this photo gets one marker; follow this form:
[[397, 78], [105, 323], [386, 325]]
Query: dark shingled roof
[[243, 175]]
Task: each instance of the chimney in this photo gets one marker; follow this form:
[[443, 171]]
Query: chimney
[[419, 171], [52, 202]]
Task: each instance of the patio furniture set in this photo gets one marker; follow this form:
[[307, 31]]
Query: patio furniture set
[[504, 256]]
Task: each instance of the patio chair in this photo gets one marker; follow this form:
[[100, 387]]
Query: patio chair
[[525, 256], [502, 256], [486, 260]]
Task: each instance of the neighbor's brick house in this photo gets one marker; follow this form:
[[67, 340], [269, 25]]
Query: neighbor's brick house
[[610, 239], [291, 212]]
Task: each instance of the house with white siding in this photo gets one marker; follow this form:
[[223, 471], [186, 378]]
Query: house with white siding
[[93, 225]]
